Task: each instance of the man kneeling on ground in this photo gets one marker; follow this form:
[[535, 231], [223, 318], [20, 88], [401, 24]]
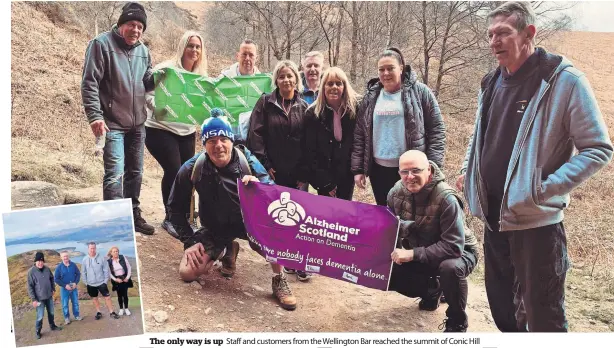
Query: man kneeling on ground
[[214, 177], [437, 252]]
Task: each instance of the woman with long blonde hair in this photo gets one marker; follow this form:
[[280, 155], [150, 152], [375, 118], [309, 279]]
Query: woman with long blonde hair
[[173, 143], [120, 273], [329, 135]]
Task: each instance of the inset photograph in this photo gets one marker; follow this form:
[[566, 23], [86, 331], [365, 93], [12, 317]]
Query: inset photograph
[[73, 273]]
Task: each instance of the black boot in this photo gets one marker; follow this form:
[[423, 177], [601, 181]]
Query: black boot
[[140, 225], [168, 226], [452, 325], [430, 301]]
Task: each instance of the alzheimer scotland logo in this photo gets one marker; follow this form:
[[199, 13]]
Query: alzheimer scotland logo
[[285, 211]]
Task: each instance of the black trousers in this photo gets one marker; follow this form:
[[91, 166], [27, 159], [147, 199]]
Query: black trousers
[[345, 188], [525, 278], [122, 295], [382, 180], [171, 151], [414, 279]]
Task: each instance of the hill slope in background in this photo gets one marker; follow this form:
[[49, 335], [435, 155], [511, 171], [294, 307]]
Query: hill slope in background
[[103, 231], [20, 264]]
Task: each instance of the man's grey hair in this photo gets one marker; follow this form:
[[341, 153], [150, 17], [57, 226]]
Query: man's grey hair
[[523, 10], [313, 54], [91, 243], [249, 42]]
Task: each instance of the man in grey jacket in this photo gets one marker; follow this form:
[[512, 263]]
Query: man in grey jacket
[[116, 75], [520, 169], [41, 288], [95, 275], [435, 251]]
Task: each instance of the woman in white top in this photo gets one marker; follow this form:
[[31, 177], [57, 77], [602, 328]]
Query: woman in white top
[[121, 274], [173, 143]]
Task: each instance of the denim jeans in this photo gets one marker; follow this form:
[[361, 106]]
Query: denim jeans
[[123, 164], [40, 312], [73, 296]]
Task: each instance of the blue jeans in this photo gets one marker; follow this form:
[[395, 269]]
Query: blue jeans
[[73, 296], [40, 313], [123, 164]]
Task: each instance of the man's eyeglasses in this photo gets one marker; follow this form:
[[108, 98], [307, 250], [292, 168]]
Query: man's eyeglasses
[[413, 171]]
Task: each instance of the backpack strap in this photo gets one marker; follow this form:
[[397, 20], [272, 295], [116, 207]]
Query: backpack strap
[[197, 169], [243, 163]]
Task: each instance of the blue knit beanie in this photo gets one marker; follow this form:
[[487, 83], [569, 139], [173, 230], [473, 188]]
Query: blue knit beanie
[[216, 126]]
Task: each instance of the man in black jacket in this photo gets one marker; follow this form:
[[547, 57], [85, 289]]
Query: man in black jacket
[[435, 251], [116, 75], [41, 288], [215, 177]]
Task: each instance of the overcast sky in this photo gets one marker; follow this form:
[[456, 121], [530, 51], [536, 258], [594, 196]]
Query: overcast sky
[[29, 223], [594, 16]]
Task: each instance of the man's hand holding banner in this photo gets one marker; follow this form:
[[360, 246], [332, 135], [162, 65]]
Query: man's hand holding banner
[[345, 240]]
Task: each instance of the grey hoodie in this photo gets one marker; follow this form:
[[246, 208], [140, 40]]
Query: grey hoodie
[[543, 170], [94, 270]]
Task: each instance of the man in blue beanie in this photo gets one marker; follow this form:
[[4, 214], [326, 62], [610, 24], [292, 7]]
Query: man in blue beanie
[[213, 174], [116, 75]]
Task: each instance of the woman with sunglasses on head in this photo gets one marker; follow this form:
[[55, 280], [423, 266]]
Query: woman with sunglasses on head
[[173, 143], [121, 278], [397, 114], [276, 127], [329, 134]]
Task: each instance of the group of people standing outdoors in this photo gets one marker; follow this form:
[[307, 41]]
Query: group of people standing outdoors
[[315, 129], [95, 273]]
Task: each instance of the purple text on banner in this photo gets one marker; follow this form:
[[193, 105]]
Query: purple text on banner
[[339, 239]]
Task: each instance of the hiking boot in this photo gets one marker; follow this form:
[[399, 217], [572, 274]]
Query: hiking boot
[[453, 326], [38, 335], [168, 227], [114, 315], [98, 315], [56, 328], [428, 304], [127, 312], [282, 292], [229, 261], [140, 225], [289, 270], [66, 321], [78, 318], [121, 311], [303, 276]]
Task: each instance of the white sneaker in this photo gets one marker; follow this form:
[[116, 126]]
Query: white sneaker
[[121, 311], [127, 311]]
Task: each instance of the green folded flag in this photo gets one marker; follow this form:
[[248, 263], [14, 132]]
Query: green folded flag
[[185, 97]]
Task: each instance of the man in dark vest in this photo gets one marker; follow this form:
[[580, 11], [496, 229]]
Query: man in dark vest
[[435, 250]]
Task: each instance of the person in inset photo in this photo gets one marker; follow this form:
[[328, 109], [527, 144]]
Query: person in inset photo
[[120, 278], [41, 289], [67, 276], [95, 276]]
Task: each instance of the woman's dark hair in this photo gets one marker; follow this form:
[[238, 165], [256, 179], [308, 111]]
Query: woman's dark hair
[[397, 55]]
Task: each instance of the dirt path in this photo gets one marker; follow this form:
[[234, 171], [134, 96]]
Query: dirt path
[[87, 329], [245, 303]]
